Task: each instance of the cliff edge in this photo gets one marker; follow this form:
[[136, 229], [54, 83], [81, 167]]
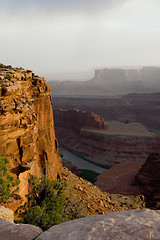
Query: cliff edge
[[27, 136]]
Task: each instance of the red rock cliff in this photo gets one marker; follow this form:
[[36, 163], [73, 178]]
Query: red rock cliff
[[27, 136]]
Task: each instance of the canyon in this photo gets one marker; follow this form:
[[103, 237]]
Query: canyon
[[27, 139], [109, 145], [135, 107]]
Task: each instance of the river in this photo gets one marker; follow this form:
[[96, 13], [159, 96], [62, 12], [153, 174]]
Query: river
[[79, 162]]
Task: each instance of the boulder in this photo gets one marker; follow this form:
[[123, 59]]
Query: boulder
[[12, 231], [124, 225], [6, 213]]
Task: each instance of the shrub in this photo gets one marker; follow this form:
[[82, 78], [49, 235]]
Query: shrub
[[6, 180], [46, 201]]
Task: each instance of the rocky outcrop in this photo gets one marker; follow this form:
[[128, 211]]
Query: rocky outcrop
[[76, 119], [6, 213], [131, 225], [148, 178], [27, 136], [12, 231]]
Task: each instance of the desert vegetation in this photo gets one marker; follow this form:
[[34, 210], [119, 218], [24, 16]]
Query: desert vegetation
[[8, 185]]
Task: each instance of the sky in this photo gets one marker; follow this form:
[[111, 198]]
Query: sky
[[69, 36]]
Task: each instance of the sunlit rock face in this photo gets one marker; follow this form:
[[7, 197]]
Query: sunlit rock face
[[27, 136]]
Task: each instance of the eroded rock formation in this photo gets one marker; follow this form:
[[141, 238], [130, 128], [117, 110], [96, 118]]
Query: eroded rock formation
[[76, 119], [148, 178], [27, 136]]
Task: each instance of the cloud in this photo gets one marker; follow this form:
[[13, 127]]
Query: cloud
[[76, 35]]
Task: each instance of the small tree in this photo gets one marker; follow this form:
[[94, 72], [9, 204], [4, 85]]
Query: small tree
[[6, 180], [46, 201]]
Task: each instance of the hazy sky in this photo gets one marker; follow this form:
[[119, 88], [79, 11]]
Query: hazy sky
[[54, 36]]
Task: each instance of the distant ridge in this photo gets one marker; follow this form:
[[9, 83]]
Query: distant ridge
[[109, 81]]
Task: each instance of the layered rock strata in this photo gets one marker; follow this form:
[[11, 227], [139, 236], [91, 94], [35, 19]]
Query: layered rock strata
[[27, 136], [106, 143]]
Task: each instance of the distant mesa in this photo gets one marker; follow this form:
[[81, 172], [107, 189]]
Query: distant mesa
[[111, 81]]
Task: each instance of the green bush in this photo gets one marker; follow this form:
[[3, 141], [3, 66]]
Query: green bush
[[46, 203], [6, 180]]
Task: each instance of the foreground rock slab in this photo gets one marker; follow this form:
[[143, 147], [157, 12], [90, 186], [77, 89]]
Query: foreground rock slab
[[12, 231], [130, 225]]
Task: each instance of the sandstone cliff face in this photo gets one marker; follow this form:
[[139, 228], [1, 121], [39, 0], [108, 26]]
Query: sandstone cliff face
[[148, 178], [27, 136]]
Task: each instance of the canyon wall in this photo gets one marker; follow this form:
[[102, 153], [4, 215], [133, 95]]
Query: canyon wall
[[27, 136], [76, 119], [148, 179], [142, 108]]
